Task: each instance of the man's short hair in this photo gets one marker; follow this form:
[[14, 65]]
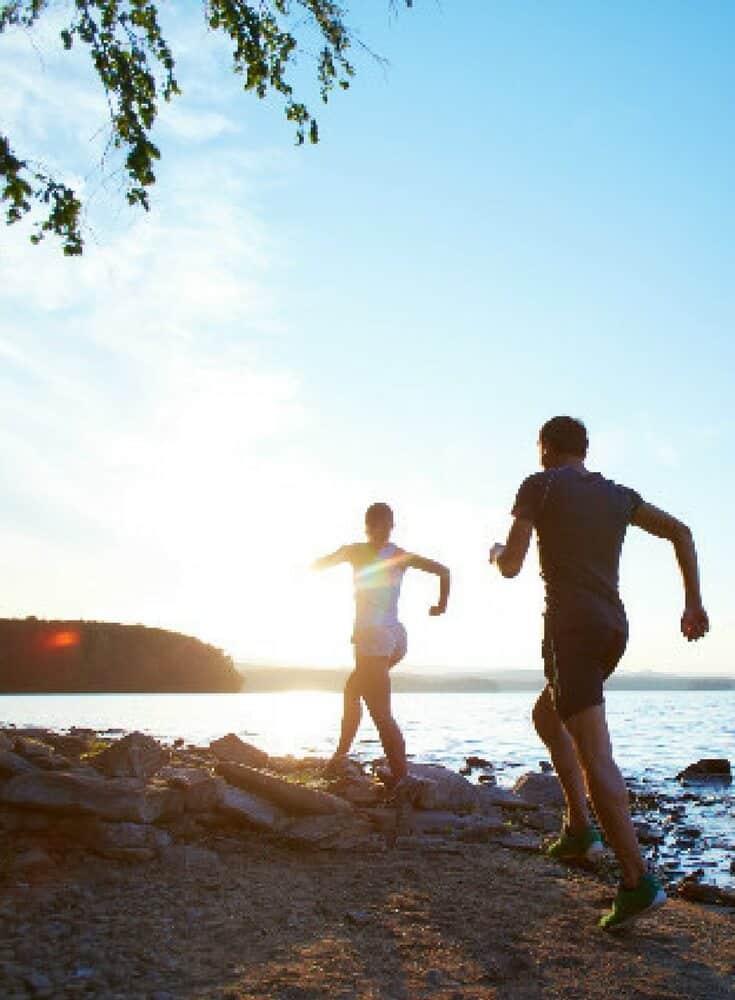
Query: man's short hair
[[378, 512], [566, 435]]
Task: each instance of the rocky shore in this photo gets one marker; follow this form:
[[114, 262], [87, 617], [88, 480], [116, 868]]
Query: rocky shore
[[133, 869]]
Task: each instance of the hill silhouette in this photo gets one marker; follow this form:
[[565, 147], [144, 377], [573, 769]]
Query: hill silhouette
[[77, 656]]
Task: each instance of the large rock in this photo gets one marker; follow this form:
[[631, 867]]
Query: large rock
[[492, 795], [440, 823], [81, 794], [200, 788], [6, 741], [108, 839], [71, 746], [288, 796], [540, 789], [443, 789], [12, 763], [359, 791], [134, 756], [250, 809], [708, 769], [231, 748], [329, 832], [25, 820], [39, 754]]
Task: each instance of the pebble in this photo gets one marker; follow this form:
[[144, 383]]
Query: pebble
[[38, 984]]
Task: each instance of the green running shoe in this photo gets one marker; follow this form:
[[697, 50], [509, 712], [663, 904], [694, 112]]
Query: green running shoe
[[585, 846], [630, 904]]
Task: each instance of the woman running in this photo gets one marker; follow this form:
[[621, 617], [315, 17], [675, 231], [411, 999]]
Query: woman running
[[379, 638]]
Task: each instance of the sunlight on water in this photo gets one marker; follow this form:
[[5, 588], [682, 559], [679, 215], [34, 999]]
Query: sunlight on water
[[654, 732]]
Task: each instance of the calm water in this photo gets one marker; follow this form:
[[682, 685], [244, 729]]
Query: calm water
[[655, 734]]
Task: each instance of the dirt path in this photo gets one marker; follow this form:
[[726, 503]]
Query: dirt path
[[259, 921]]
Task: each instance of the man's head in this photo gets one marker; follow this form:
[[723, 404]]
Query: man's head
[[561, 440], [378, 523]]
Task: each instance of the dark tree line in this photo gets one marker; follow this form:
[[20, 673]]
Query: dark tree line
[[75, 656]]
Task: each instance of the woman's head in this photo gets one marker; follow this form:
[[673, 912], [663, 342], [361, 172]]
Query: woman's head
[[378, 523]]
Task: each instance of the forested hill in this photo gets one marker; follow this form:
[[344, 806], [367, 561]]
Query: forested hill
[[65, 656]]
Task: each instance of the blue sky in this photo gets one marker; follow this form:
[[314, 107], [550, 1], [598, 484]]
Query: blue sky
[[528, 211]]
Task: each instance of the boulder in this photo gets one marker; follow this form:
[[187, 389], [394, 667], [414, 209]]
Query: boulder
[[518, 840], [200, 788], [71, 746], [39, 754], [107, 838], [287, 795], [6, 741], [540, 789], [439, 823], [333, 832], [250, 809], [122, 799], [189, 856], [12, 763], [444, 789], [359, 791], [708, 769], [24, 820], [134, 756], [32, 860], [492, 795], [474, 762], [693, 889], [231, 748]]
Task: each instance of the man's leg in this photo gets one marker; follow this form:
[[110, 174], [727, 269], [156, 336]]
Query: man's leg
[[374, 684], [560, 745], [607, 789]]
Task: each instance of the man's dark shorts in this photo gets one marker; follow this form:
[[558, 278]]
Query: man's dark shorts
[[577, 660]]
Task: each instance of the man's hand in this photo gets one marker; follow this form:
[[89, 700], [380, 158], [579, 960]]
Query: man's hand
[[437, 609], [495, 552], [694, 622]]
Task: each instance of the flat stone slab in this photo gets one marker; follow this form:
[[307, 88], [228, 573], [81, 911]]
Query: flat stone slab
[[329, 832], [290, 797], [231, 748], [121, 799], [250, 809]]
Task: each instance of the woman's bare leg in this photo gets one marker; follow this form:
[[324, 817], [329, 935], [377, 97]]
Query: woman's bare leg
[[374, 685]]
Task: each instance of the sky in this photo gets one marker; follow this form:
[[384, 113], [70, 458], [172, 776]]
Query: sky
[[522, 209]]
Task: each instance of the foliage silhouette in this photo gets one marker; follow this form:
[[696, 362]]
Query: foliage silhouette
[[136, 68], [66, 656]]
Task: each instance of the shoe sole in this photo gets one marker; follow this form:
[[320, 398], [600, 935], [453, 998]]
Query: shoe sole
[[656, 903]]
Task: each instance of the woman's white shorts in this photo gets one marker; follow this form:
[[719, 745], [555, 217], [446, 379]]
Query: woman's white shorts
[[390, 641]]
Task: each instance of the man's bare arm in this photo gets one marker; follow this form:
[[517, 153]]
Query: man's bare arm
[[342, 554], [509, 558], [694, 620], [429, 566]]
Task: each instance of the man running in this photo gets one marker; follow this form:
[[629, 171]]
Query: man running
[[379, 638], [580, 520]]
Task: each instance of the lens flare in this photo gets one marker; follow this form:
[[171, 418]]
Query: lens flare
[[63, 639]]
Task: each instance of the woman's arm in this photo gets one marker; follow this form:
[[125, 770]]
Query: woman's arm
[[430, 566], [342, 554]]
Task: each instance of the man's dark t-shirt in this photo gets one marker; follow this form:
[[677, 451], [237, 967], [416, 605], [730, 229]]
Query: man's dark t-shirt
[[580, 520]]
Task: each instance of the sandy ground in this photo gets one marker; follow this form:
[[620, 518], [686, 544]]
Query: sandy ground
[[252, 919]]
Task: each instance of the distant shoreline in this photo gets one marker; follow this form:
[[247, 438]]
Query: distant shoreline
[[270, 679]]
